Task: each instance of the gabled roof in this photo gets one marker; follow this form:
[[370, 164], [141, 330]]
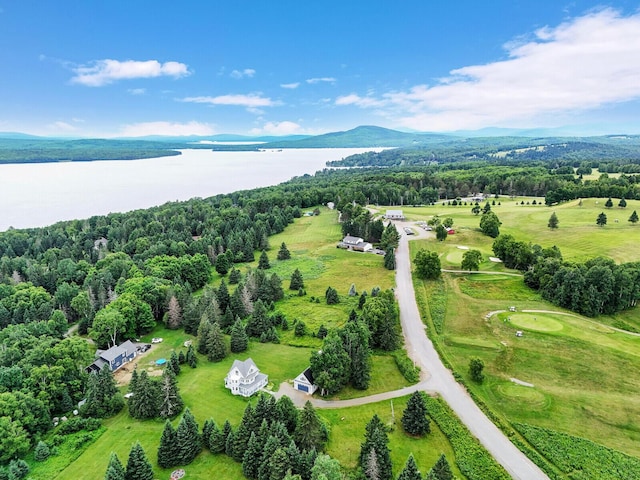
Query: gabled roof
[[244, 366], [308, 375], [394, 212], [126, 348], [350, 239]]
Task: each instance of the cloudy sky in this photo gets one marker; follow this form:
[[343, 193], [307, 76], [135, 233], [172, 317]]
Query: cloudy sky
[[123, 68]]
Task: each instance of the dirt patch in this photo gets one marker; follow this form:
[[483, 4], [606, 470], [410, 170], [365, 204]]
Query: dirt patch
[[123, 375]]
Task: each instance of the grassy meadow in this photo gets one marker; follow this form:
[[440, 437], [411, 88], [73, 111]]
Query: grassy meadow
[[584, 374]]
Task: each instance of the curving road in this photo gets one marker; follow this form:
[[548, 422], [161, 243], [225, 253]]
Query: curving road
[[421, 350]]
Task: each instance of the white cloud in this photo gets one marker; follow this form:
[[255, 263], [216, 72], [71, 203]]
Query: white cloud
[[582, 64], [253, 100], [247, 72], [61, 126], [137, 91], [290, 86], [277, 128], [166, 128], [312, 81], [104, 72]]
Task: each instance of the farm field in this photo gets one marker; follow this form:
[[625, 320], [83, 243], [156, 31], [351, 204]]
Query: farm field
[[584, 374]]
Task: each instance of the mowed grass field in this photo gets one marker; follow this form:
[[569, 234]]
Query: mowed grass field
[[312, 243], [585, 374]]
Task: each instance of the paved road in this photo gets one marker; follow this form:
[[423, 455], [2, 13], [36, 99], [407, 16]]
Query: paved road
[[441, 380]]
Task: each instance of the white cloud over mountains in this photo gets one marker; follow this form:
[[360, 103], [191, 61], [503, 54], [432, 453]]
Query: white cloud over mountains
[[277, 128], [104, 72], [581, 64], [166, 128], [252, 100]]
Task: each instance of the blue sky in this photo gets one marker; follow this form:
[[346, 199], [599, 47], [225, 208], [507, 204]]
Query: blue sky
[[132, 68]]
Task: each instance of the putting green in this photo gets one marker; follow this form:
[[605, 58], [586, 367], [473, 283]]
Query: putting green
[[528, 396], [535, 321], [455, 256]]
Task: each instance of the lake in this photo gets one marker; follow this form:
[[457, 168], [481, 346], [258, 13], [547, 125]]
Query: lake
[[39, 194]]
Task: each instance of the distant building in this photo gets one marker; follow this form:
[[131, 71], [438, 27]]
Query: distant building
[[355, 243], [244, 378], [394, 215], [304, 382], [115, 357]]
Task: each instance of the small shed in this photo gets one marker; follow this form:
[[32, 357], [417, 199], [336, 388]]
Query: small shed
[[304, 382]]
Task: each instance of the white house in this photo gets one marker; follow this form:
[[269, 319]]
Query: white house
[[394, 215], [245, 378], [355, 243], [304, 382]]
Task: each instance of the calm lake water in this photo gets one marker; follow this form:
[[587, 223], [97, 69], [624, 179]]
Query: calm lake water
[[34, 195]]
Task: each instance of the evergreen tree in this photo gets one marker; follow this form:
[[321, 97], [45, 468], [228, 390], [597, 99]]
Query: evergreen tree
[[390, 260], [242, 434], [371, 467], [181, 357], [352, 290], [145, 402], [376, 440], [441, 470], [222, 295], [234, 276], [258, 322], [239, 338], [310, 433], [476, 366], [283, 253], [41, 452], [322, 332], [622, 203], [222, 264], [331, 366], [287, 413], [103, 398], [174, 314], [171, 403], [192, 359], [168, 451], [634, 217], [263, 262], [207, 428], [331, 295], [251, 458], [268, 451], [608, 203], [188, 439], [264, 410], [227, 319], [601, 221], [138, 466], [216, 345], [326, 468], [410, 471], [355, 340], [174, 363], [203, 335], [278, 465], [297, 282], [414, 417], [115, 470], [217, 438]]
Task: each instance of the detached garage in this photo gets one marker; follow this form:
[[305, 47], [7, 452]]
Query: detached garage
[[304, 382]]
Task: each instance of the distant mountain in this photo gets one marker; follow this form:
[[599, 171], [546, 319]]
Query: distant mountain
[[222, 137], [17, 135]]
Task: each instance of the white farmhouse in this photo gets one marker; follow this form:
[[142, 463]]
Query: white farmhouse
[[394, 215], [245, 378]]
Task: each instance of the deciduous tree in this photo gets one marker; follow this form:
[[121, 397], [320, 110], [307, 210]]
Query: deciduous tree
[[471, 260], [476, 366], [553, 221], [427, 265]]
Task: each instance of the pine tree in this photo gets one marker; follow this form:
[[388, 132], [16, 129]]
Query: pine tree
[[258, 322], [371, 467], [222, 295], [310, 433], [287, 413], [355, 340], [263, 262], [103, 399], [297, 282], [239, 337], [251, 457], [138, 466], [216, 439], [227, 319], [188, 438], [331, 296], [115, 470], [234, 276], [376, 440], [622, 203], [145, 402], [216, 345], [410, 471], [278, 464], [242, 434], [203, 335], [268, 450], [390, 259], [553, 221], [352, 290], [174, 363], [192, 359], [41, 452], [414, 417], [283, 253], [608, 203], [634, 217], [171, 403], [174, 313], [207, 428], [222, 264], [168, 450], [441, 470], [601, 221]]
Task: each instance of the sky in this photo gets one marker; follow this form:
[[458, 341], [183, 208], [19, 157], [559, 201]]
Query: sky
[[135, 68]]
